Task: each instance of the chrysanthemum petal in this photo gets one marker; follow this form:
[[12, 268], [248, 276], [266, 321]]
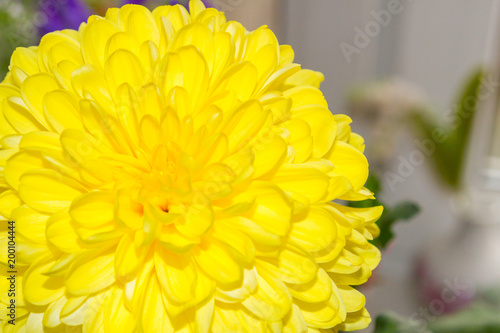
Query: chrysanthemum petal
[[356, 321], [271, 300], [326, 314], [176, 273], [33, 96], [19, 116], [154, 317], [231, 319], [128, 257], [116, 315], [61, 233], [352, 298], [47, 190], [91, 274], [92, 209], [350, 163], [315, 291], [25, 59], [315, 232], [250, 283], [124, 67], [94, 40], [304, 179], [218, 264], [51, 316], [9, 200], [40, 289], [296, 265], [61, 110], [29, 223]]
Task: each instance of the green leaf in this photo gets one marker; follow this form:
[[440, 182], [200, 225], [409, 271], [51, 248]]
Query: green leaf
[[401, 212], [477, 318], [404, 210], [393, 323], [448, 151]]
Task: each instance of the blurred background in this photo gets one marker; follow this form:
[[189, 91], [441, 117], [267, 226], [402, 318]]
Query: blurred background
[[420, 80]]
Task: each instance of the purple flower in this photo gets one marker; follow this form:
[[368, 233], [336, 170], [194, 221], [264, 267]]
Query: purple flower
[[63, 14], [134, 2]]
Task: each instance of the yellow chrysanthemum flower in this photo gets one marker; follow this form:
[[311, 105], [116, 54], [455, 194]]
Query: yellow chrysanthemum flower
[[173, 172]]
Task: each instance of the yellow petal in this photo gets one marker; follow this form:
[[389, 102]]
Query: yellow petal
[[34, 323], [197, 219], [19, 116], [250, 283], [89, 81], [51, 316], [218, 264], [326, 314], [269, 152], [61, 110], [33, 91], [244, 124], [124, 67], [272, 209], [128, 257], [315, 291], [61, 233], [141, 24], [9, 201], [306, 77], [9, 142], [73, 312], [316, 232], [116, 315], [271, 300], [196, 7], [30, 223], [352, 298], [94, 39], [236, 319], [176, 273], [188, 69], [93, 209], [257, 233], [241, 79], [304, 179], [154, 317], [25, 59], [356, 321], [323, 127], [350, 163], [295, 323], [40, 289], [94, 317], [81, 146], [296, 265], [305, 95], [47, 190], [265, 61], [239, 244], [91, 274]]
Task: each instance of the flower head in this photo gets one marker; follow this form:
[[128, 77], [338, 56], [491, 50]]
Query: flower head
[[170, 171]]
